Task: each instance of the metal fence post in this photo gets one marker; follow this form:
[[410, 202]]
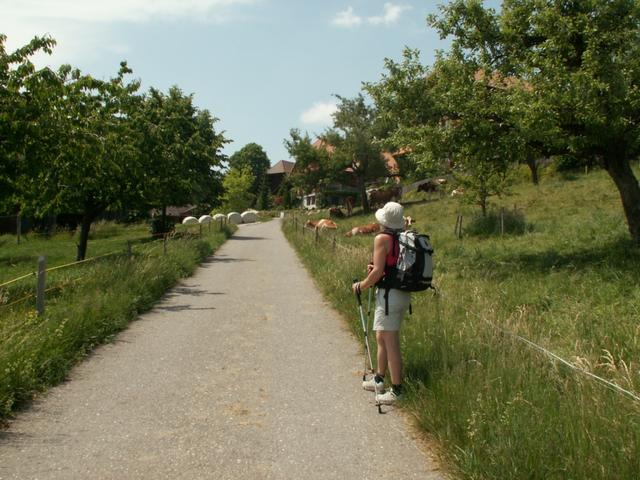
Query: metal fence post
[[41, 284]]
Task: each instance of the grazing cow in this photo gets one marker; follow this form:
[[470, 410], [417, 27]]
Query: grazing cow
[[321, 224], [374, 228], [382, 196], [458, 192], [364, 229], [428, 187], [441, 181], [349, 203], [335, 212]]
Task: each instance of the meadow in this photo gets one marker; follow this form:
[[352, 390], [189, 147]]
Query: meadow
[[86, 304], [480, 369]]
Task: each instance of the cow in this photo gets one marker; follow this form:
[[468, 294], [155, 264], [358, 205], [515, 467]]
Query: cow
[[458, 192], [336, 212], [382, 196], [321, 224], [374, 228], [364, 229], [429, 187]]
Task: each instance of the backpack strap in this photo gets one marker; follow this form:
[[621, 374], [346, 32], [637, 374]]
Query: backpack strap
[[395, 251]]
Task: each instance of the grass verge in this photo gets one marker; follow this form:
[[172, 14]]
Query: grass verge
[[87, 305], [568, 282]]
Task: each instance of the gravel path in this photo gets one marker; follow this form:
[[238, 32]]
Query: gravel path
[[242, 371]]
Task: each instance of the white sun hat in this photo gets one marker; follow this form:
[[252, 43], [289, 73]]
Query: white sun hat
[[391, 216]]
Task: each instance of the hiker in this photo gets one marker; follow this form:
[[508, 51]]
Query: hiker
[[386, 324]]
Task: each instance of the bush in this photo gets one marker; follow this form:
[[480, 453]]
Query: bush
[[492, 224]]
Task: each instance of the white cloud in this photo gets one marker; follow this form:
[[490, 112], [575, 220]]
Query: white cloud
[[346, 19], [390, 15], [82, 28], [320, 113], [118, 10]]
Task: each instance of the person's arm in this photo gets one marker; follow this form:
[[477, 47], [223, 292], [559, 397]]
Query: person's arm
[[380, 250]]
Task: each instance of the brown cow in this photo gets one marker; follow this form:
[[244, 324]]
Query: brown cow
[[321, 224], [364, 229], [374, 228], [382, 196], [428, 187]]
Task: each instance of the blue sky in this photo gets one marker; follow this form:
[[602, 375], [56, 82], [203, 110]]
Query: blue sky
[[261, 66]]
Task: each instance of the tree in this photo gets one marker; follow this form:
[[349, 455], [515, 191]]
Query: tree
[[311, 170], [582, 59], [354, 141], [406, 107], [28, 129], [255, 158], [452, 119], [96, 164], [263, 201], [236, 183], [180, 150]]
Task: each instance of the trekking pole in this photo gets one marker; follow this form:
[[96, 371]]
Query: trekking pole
[[366, 344], [366, 336]]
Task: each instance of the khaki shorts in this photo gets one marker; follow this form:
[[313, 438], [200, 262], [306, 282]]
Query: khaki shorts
[[398, 305]]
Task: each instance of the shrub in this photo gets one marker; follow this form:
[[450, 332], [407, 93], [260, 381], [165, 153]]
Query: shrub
[[512, 221]]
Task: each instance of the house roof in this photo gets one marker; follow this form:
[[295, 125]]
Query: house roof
[[283, 166]]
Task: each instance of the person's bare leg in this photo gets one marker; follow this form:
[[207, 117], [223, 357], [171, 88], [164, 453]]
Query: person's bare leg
[[382, 353], [391, 341]]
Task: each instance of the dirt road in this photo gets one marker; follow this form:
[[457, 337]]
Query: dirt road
[[241, 372]]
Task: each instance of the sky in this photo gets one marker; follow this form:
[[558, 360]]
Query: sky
[[262, 67]]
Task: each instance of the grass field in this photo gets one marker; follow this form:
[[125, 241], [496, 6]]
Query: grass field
[[567, 281], [86, 304]]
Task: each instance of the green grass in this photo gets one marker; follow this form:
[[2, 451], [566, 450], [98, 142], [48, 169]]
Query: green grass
[[568, 281], [87, 304]]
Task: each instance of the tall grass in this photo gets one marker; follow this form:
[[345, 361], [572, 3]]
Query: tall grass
[[93, 302], [569, 283]]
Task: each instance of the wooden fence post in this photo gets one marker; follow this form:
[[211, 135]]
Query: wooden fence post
[[334, 244], [19, 227], [41, 284]]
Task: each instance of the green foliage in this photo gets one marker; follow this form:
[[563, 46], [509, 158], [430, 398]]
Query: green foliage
[[312, 169], [254, 157], [38, 351], [499, 408], [236, 183], [508, 222], [581, 66], [354, 144], [264, 197]]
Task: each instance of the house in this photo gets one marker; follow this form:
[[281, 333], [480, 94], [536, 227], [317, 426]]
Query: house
[[277, 173]]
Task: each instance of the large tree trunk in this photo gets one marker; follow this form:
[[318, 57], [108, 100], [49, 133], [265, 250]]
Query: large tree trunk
[[619, 168], [532, 162], [85, 226]]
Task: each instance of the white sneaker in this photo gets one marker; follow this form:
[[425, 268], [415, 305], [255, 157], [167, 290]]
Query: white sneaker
[[373, 386], [387, 398]]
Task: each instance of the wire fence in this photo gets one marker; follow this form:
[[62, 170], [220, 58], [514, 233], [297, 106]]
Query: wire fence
[[330, 240], [145, 248]]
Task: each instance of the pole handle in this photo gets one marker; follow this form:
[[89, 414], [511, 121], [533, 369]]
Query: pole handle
[[357, 293]]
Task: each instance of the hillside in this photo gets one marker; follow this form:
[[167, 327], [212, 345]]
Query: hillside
[[478, 356]]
